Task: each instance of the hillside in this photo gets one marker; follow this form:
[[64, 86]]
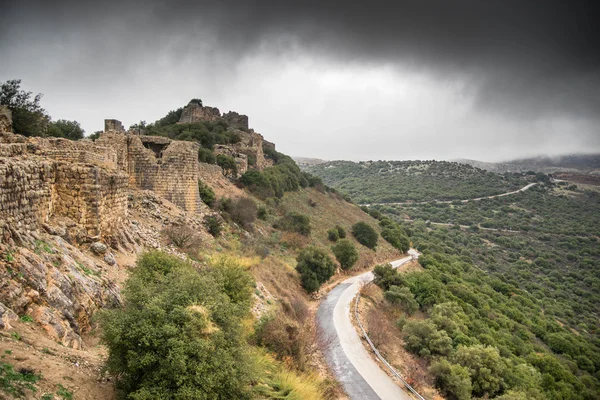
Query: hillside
[[573, 163], [82, 222], [508, 283], [400, 181]]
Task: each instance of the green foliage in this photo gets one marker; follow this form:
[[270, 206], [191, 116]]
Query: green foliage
[[206, 156], [396, 237], [345, 253], [227, 164], [341, 232], [28, 116], [423, 338], [16, 383], [333, 235], [486, 368], [213, 225], [453, 379], [206, 193], [65, 129], [403, 297], [26, 318], [399, 181], [365, 234], [294, 222], [284, 176], [262, 213], [179, 334], [315, 268]]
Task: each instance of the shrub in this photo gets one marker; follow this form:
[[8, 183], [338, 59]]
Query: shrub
[[213, 225], [241, 210], [179, 333], [315, 268], [333, 235], [206, 156], [365, 234], [397, 238], [262, 213], [206, 193], [345, 253], [341, 232], [403, 297], [227, 164], [452, 379], [294, 222], [28, 116], [182, 236], [424, 338]]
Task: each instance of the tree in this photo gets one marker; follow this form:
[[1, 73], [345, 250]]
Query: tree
[[341, 232], [452, 379], [206, 156], [403, 297], [485, 367], [365, 234], [423, 338], [227, 164], [66, 129], [397, 238], [345, 253], [29, 118], [294, 222], [315, 268], [179, 333]]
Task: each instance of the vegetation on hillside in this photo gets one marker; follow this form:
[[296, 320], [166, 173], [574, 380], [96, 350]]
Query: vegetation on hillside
[[399, 181]]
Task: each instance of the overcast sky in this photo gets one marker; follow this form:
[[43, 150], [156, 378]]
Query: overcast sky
[[359, 80]]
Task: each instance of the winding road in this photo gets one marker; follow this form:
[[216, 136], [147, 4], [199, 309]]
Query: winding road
[[351, 363], [405, 203]]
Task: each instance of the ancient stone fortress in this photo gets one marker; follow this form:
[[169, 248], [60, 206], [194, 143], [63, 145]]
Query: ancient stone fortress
[[87, 182]]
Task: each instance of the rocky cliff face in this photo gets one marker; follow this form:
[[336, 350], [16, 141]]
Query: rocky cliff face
[[5, 119]]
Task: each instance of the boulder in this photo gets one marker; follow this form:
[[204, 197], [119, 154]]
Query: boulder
[[98, 248]]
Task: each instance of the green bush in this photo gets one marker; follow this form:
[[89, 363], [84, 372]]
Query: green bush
[[65, 129], [453, 380], [365, 234], [294, 222], [345, 253], [333, 235], [28, 116], [397, 238], [403, 297], [213, 225], [227, 164], [262, 213], [179, 333], [341, 232], [206, 193], [206, 156], [315, 268]]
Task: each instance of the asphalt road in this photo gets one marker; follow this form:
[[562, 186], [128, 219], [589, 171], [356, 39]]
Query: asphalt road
[[351, 363]]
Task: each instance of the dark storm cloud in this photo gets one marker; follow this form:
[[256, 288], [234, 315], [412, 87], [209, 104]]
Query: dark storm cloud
[[528, 56], [515, 60]]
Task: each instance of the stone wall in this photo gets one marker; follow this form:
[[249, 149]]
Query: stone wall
[[194, 112], [113, 125], [167, 167]]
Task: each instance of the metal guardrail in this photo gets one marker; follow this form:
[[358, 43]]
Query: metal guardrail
[[378, 354]]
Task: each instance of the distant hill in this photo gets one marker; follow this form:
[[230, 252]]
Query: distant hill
[[397, 181], [573, 163], [307, 161]]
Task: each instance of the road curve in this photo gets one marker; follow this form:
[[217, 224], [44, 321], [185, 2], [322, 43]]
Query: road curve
[[405, 203], [351, 363]]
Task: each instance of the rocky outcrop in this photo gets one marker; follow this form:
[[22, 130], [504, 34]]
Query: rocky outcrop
[[54, 283], [236, 121], [5, 119], [195, 112]]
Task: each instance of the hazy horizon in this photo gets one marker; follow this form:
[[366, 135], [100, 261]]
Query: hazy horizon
[[489, 81]]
